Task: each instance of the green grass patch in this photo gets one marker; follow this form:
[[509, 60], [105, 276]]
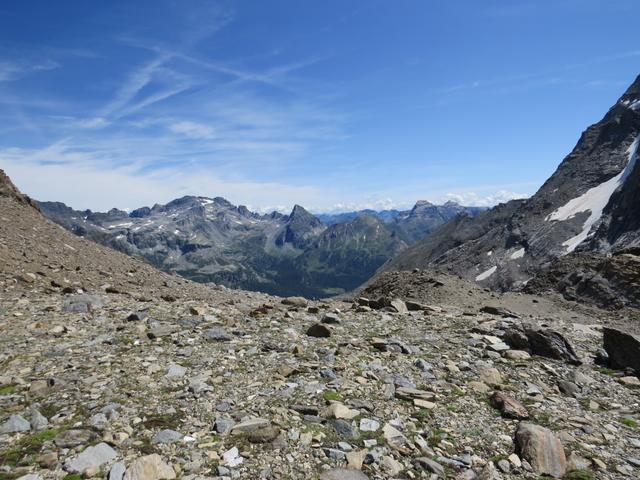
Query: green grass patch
[[544, 419], [8, 389], [607, 371], [579, 475], [629, 422], [423, 414], [26, 447], [332, 396], [73, 476]]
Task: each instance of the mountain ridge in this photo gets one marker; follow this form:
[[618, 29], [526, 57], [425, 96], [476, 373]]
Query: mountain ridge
[[212, 240]]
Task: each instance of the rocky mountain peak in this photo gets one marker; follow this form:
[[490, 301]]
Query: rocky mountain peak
[[633, 90], [299, 212], [590, 204], [8, 189]]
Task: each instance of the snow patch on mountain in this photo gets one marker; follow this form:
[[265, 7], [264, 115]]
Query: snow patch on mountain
[[486, 274], [517, 254], [593, 200]]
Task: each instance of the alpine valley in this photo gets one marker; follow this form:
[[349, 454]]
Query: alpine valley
[[211, 240]]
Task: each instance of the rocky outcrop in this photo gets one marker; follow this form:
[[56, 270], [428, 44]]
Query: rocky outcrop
[[610, 282], [541, 341], [588, 205], [9, 190]]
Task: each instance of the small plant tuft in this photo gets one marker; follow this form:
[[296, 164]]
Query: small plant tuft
[[331, 396]]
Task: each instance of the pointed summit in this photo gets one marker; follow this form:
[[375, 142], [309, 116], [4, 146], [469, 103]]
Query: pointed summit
[[299, 211], [300, 229]]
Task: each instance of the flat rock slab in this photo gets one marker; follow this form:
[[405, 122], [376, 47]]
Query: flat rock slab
[[250, 426], [91, 457], [15, 424], [167, 436]]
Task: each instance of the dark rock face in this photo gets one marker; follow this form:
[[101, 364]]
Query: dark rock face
[[608, 282], [590, 204], [543, 342], [548, 343], [623, 349]]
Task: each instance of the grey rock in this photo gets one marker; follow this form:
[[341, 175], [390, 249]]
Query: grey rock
[[83, 303], [249, 426], [38, 421], [167, 436], [117, 471], [223, 425], [548, 343], [331, 319], [344, 429], [430, 465], [176, 371], [15, 424], [216, 335], [543, 342], [91, 457], [343, 474]]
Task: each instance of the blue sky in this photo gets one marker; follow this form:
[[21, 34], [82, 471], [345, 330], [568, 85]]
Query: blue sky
[[334, 105]]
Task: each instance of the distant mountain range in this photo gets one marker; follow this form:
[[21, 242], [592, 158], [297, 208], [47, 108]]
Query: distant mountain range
[[587, 215], [212, 240]]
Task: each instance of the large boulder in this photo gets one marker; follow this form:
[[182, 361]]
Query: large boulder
[[623, 349], [543, 342], [90, 458], [548, 343], [542, 449]]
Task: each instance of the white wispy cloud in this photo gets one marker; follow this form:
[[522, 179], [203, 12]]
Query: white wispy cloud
[[48, 173], [15, 70], [193, 130], [483, 199]]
